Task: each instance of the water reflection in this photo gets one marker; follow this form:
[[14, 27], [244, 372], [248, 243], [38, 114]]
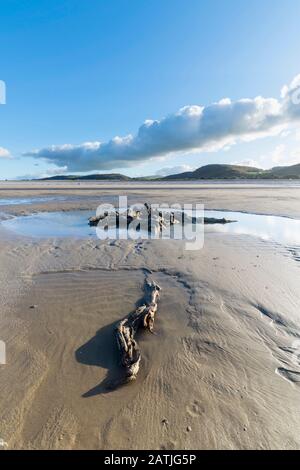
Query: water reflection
[[278, 229], [75, 224]]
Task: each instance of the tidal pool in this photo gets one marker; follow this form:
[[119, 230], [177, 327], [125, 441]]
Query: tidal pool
[[52, 224], [29, 200], [74, 224], [281, 230]]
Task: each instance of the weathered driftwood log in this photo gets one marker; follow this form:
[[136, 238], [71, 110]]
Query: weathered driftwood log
[[213, 220], [142, 317], [129, 215], [157, 220]]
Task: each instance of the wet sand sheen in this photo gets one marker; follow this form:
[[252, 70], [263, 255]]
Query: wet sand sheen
[[221, 373], [75, 332], [213, 365]]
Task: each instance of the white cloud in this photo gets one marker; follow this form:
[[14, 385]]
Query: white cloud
[[55, 171], [173, 170], [297, 135], [211, 128], [44, 174], [282, 155], [278, 155], [4, 153], [252, 163]]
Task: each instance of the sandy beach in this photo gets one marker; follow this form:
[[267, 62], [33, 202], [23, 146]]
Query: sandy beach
[[222, 371]]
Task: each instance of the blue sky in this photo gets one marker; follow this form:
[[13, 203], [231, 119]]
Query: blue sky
[[86, 71]]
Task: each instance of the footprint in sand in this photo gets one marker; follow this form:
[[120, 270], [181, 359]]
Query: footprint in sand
[[195, 409], [170, 445], [139, 247], [58, 432]]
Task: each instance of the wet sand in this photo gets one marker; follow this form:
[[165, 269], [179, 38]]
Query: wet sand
[[222, 371]]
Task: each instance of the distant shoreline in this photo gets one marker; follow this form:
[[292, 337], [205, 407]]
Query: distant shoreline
[[214, 172]]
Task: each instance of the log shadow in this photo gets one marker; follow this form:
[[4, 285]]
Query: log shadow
[[102, 351]]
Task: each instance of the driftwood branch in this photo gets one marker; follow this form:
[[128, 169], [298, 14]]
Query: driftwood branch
[[142, 317]]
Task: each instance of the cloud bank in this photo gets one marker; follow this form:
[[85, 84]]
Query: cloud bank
[[198, 128]]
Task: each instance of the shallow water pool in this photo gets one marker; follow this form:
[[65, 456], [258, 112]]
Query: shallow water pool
[[281, 230], [29, 200], [74, 224]]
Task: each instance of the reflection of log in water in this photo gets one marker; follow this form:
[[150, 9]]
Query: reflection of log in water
[[155, 217], [142, 317]]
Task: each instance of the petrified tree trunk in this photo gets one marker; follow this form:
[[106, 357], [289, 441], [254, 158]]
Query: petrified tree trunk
[[142, 317]]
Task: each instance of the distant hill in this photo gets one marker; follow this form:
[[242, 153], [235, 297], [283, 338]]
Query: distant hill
[[217, 172], [95, 177], [287, 172], [237, 172], [207, 172]]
